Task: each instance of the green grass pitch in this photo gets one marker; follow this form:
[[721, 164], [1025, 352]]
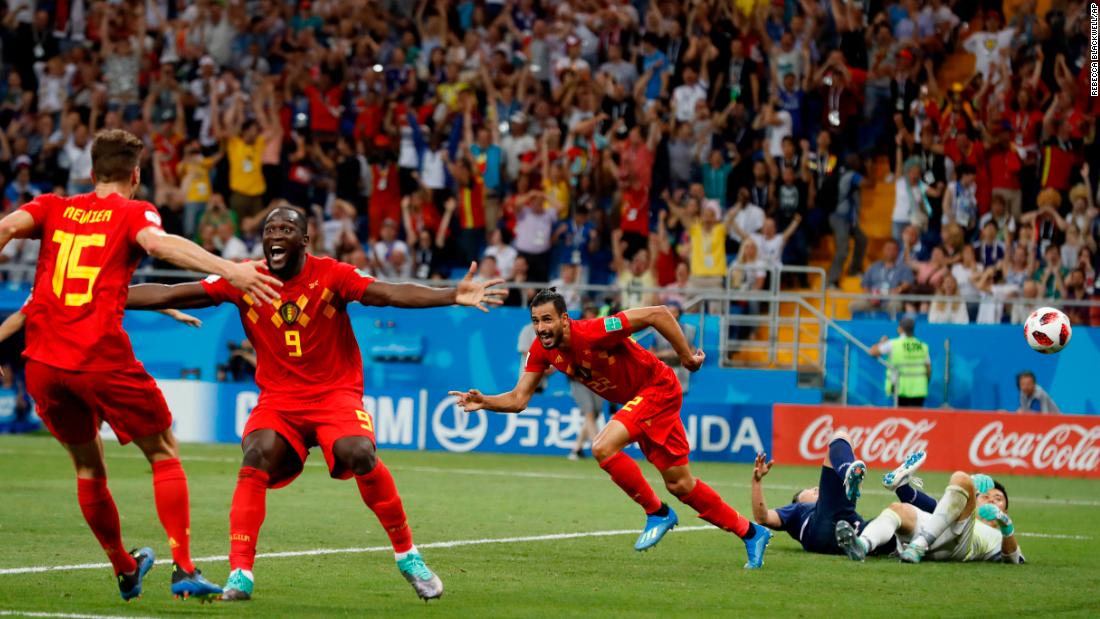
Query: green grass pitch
[[692, 573]]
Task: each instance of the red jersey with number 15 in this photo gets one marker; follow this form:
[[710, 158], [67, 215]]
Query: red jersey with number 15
[[305, 347], [88, 255], [603, 358]]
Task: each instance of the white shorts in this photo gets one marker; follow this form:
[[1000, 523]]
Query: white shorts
[[968, 540]]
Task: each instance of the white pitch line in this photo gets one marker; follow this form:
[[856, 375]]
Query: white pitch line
[[448, 544], [336, 551], [31, 613], [1053, 536], [570, 476]]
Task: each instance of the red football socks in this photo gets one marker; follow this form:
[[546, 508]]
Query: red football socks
[[174, 509], [627, 475], [714, 510], [101, 514], [246, 516], [380, 495]]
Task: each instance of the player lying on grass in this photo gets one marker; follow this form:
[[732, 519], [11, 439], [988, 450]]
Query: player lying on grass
[[600, 354], [813, 513], [310, 374], [80, 367], [970, 522]]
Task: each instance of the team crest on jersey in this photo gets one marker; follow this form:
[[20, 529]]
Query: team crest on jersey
[[612, 324], [290, 312]]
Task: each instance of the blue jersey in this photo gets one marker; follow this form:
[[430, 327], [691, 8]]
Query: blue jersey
[[795, 516]]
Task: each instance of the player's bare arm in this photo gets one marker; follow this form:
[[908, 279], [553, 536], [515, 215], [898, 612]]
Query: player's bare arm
[[760, 512], [15, 225], [244, 276], [468, 292], [12, 325], [178, 316], [514, 401], [165, 297], [661, 319]]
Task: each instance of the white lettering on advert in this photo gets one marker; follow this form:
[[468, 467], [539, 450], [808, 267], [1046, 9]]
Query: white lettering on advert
[[1065, 447], [890, 440]]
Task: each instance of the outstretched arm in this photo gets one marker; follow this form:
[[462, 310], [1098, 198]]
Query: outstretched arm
[[191, 295], [184, 253], [514, 401], [12, 324], [760, 512], [468, 293], [16, 225], [661, 319]]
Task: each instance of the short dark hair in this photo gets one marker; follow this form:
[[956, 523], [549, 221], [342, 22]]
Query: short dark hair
[[1023, 375], [293, 214], [549, 295], [965, 169], [999, 486], [248, 124], [798, 493], [115, 154], [908, 326]]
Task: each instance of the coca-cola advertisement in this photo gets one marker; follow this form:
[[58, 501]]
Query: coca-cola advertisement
[[1054, 445]]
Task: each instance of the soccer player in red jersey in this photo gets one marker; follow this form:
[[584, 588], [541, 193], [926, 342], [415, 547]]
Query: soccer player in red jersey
[[310, 374], [600, 354], [80, 367]]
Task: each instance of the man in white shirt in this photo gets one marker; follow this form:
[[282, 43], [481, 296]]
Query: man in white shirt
[[746, 217], [515, 144], [504, 254], [686, 95], [391, 252], [777, 125], [78, 153], [987, 45]]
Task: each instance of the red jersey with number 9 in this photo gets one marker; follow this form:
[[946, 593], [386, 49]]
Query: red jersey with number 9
[[88, 256], [602, 357], [305, 347]]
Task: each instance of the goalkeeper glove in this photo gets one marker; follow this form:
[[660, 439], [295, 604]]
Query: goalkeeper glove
[[991, 512], [982, 483]]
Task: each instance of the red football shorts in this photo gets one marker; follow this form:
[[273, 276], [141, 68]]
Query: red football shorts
[[653, 420], [73, 404], [322, 424]]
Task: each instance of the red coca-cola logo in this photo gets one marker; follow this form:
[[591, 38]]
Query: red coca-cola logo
[[1064, 447], [890, 440]]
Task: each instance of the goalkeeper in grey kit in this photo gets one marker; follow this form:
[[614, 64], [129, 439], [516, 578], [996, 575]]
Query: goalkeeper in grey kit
[[969, 523]]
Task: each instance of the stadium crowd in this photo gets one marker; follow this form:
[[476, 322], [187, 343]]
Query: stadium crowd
[[630, 143]]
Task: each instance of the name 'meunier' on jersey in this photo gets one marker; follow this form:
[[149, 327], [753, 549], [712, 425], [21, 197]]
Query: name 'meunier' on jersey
[[88, 256], [602, 356], [305, 346]]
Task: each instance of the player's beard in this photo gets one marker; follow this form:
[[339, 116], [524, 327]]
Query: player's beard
[[555, 340]]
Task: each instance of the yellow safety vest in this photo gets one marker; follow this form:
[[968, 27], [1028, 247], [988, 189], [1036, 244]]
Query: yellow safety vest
[[908, 356]]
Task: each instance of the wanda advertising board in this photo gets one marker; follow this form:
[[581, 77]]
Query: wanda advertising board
[[1024, 444]]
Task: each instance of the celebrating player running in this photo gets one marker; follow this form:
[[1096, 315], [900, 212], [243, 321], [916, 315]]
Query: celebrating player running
[[600, 354], [80, 367], [310, 374]]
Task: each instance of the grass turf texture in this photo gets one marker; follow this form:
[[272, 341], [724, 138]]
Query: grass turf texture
[[467, 497]]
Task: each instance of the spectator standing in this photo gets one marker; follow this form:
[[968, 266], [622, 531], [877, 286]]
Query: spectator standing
[[244, 146], [910, 366], [845, 221]]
